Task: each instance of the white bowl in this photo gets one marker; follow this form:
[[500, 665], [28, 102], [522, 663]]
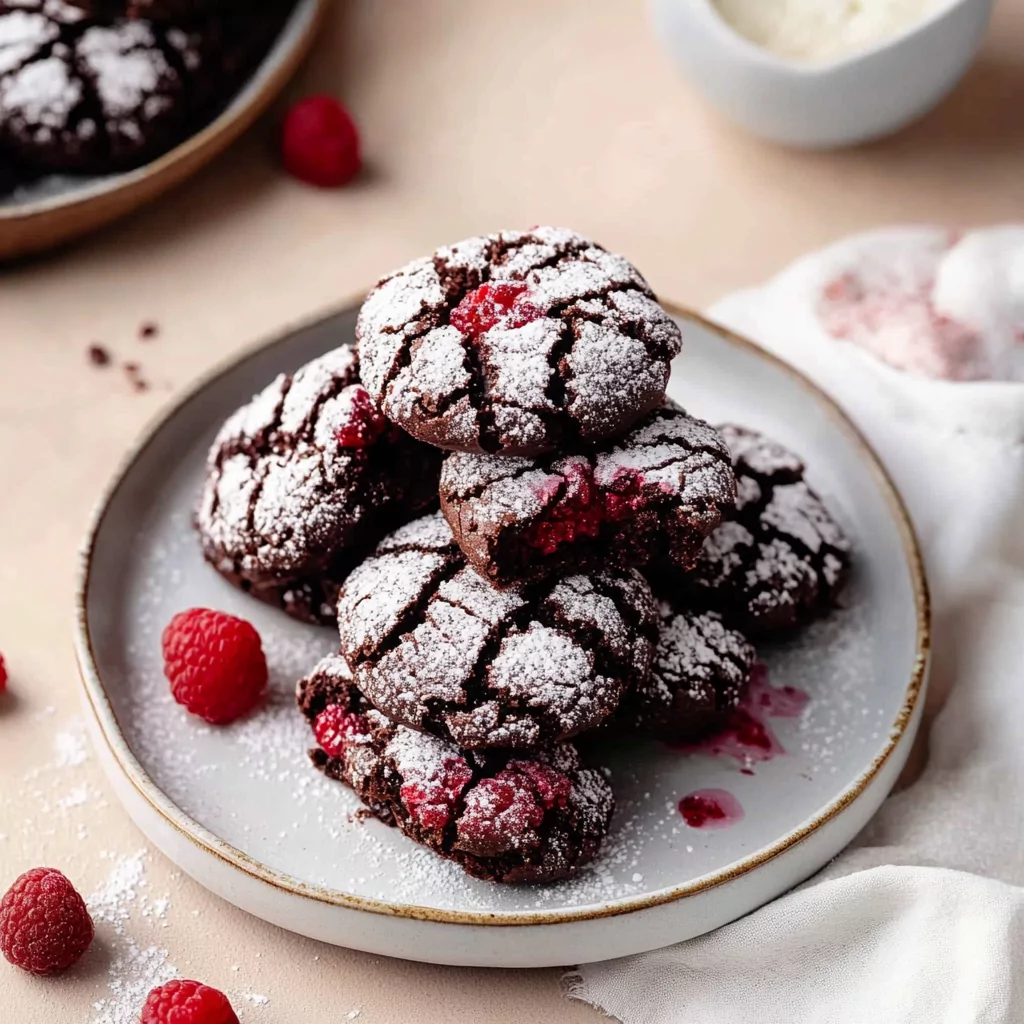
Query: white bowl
[[863, 96]]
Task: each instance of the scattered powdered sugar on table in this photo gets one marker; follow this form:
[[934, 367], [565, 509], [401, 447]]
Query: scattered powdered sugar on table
[[135, 966]]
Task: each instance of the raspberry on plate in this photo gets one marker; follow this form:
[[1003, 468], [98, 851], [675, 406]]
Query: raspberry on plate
[[3, 674], [215, 664], [187, 1002], [44, 924]]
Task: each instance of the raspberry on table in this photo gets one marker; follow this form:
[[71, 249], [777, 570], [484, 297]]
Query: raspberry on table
[[44, 924], [215, 664], [320, 142], [187, 1002], [3, 674]]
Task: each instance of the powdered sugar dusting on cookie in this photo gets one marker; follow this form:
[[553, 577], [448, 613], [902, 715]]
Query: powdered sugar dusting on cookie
[[589, 359], [433, 645], [128, 67], [289, 504], [782, 558], [22, 35], [42, 94]]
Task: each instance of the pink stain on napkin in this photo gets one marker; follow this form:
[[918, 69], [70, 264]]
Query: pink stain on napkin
[[948, 308]]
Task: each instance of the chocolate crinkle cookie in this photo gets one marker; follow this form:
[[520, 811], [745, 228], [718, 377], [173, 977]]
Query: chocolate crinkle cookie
[[87, 95], [436, 647], [700, 672], [516, 343], [303, 481], [164, 10], [532, 818], [780, 560], [654, 494]]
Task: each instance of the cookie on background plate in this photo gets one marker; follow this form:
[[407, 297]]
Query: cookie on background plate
[[530, 818], [303, 481], [89, 96], [436, 647], [780, 560], [653, 494], [165, 10], [516, 343]]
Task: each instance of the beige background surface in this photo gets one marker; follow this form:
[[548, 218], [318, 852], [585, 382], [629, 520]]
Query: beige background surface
[[511, 115]]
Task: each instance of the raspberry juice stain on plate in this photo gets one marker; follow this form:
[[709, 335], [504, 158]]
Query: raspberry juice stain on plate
[[710, 808], [746, 735]]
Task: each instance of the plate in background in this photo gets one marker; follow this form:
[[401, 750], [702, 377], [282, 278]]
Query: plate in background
[[242, 810], [60, 208]]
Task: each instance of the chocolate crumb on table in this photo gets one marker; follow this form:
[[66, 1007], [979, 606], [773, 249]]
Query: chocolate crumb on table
[[134, 374], [148, 331], [98, 355]]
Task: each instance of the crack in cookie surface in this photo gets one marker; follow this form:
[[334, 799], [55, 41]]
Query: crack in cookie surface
[[435, 646]]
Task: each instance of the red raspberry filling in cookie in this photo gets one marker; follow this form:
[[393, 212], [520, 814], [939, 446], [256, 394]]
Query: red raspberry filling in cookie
[[584, 506], [504, 812], [433, 803], [655, 493], [335, 726], [577, 513], [364, 423], [502, 304]]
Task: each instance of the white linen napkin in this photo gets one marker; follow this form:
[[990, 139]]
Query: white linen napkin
[[921, 920]]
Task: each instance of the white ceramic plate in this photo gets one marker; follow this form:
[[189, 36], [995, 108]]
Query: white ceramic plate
[[242, 810]]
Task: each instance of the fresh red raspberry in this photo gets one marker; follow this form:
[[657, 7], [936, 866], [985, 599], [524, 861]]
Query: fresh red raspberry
[[363, 421], [187, 1002], [334, 728], [3, 674], [215, 664], [320, 142], [44, 925], [433, 804], [504, 303]]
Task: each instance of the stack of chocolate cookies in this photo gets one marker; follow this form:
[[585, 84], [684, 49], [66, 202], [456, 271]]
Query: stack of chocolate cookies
[[521, 539], [97, 86]]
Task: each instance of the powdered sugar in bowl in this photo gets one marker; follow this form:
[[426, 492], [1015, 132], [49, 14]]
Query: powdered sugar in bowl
[[824, 83]]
